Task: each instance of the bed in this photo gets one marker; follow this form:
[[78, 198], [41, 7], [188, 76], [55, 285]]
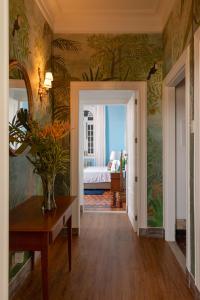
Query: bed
[[97, 178]]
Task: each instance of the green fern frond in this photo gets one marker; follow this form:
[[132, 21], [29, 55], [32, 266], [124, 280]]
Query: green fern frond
[[64, 44]]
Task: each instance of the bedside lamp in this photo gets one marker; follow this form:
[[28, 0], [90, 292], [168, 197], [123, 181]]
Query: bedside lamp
[[113, 155]]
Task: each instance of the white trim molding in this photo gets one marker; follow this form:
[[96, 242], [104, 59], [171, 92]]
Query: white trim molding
[[197, 155], [4, 151], [179, 71], [46, 13], [140, 88], [66, 19]]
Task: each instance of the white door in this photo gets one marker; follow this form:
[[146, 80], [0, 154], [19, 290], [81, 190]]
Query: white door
[[181, 181], [131, 163]]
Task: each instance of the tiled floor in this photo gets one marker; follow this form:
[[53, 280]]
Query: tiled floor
[[101, 202]]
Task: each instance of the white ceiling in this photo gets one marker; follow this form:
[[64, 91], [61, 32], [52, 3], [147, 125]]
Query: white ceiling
[[106, 16]]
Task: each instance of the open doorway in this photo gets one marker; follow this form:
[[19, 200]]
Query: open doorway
[[136, 207], [105, 157], [176, 159], [180, 141], [107, 124]]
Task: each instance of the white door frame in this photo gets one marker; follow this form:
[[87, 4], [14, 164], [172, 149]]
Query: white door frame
[[132, 110], [179, 71], [4, 151], [197, 155], [140, 89]]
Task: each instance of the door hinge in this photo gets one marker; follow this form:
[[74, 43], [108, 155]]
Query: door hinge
[[136, 179], [135, 101], [136, 218], [136, 140]]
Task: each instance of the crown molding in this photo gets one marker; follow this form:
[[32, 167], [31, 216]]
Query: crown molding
[[105, 21], [46, 13]]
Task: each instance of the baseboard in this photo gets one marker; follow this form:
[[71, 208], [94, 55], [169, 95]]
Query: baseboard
[[132, 220], [181, 224], [179, 255], [17, 281], [192, 286], [152, 232]]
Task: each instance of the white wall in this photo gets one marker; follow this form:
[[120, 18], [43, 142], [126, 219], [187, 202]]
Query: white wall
[[4, 202], [180, 152]]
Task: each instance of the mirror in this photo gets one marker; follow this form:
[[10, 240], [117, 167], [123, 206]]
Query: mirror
[[20, 95]]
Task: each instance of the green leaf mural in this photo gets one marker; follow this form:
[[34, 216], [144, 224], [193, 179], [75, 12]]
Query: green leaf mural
[[65, 44], [121, 56], [177, 33], [18, 31]]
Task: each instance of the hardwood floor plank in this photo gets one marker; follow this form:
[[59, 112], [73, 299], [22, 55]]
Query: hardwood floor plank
[[109, 262]]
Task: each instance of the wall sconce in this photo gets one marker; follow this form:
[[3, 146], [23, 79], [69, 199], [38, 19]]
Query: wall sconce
[[44, 87]]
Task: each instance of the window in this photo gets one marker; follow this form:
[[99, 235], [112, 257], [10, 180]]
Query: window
[[88, 133]]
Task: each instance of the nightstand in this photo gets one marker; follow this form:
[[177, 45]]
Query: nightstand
[[117, 187]]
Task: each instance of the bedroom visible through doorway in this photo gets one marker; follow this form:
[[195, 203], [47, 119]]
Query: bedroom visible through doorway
[[105, 157], [107, 133]]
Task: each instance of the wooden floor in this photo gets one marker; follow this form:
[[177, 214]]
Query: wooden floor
[[110, 263]]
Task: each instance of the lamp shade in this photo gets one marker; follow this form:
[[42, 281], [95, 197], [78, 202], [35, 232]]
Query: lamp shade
[[115, 155], [49, 76]]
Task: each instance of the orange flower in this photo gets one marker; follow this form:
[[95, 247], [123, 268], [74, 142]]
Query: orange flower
[[57, 130]]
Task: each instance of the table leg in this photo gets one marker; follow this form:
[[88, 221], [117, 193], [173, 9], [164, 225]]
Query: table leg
[[121, 200], [44, 263], [69, 237], [114, 200], [32, 260]]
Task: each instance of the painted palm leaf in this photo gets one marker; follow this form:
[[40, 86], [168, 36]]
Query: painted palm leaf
[[61, 112], [64, 44]]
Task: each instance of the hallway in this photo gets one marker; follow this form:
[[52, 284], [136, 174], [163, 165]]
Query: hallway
[[110, 263]]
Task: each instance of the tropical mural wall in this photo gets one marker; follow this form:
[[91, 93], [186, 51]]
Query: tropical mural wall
[[178, 34], [30, 43], [101, 57]]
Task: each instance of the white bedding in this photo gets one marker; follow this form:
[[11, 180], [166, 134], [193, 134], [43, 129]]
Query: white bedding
[[96, 175]]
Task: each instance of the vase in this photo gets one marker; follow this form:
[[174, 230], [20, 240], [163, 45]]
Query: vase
[[49, 202]]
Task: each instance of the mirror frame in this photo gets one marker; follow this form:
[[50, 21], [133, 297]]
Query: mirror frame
[[14, 64]]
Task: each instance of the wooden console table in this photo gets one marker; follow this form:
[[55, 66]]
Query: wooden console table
[[31, 230]]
